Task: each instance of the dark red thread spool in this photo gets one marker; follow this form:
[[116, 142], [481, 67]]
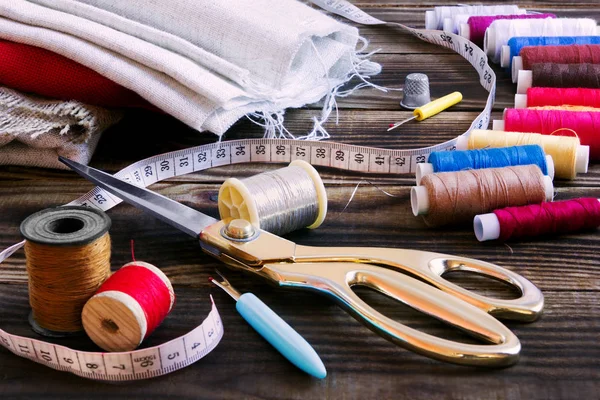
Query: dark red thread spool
[[576, 54], [566, 75], [539, 219]]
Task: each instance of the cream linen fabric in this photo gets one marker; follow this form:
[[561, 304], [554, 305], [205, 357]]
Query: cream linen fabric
[[35, 131], [206, 62]]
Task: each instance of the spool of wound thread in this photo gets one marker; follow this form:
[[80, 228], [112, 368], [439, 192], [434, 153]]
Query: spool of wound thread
[[456, 197], [547, 96], [128, 307], [566, 108], [67, 251], [538, 219], [459, 160], [475, 26], [500, 31], [586, 124], [459, 23], [279, 201], [515, 44], [568, 155], [434, 19], [532, 55], [559, 76]]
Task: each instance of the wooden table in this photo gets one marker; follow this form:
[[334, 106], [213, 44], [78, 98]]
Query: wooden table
[[560, 355]]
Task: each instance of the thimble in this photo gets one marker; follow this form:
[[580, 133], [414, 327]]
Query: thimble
[[416, 91]]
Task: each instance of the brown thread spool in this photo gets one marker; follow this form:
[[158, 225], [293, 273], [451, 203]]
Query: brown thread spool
[[67, 251], [566, 75], [456, 197]]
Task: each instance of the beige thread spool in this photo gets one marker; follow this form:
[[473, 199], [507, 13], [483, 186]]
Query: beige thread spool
[[67, 252], [115, 321], [279, 201]]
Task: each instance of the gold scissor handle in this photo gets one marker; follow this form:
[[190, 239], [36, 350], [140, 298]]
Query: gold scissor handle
[[430, 267], [336, 279]]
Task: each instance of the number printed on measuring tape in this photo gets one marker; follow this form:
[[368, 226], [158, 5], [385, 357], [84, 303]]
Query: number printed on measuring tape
[[126, 366], [189, 348]]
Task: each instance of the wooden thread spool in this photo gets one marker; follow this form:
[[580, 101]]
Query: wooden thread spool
[[67, 251], [279, 201], [128, 307]]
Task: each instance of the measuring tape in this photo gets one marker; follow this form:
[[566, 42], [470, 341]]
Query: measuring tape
[[127, 366], [185, 350]]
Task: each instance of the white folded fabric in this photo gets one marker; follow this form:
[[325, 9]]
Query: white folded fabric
[[35, 131], [206, 62]]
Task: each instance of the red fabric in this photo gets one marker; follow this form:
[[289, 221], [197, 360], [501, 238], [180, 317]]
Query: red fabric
[[33, 69]]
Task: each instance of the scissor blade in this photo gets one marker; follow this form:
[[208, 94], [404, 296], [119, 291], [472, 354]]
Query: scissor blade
[[180, 216]]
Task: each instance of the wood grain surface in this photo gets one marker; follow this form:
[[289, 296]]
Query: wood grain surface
[[560, 356]]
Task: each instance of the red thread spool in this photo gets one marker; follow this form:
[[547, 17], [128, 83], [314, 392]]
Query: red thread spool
[[542, 96], [541, 219], [128, 307], [585, 123], [575, 54]]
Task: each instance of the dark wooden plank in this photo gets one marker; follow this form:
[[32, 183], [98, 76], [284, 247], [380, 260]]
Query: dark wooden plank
[[560, 352], [553, 363], [569, 262]]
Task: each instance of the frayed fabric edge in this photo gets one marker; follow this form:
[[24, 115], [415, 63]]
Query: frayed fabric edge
[[362, 68]]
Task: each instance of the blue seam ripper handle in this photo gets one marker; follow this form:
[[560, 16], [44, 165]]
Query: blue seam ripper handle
[[281, 336]]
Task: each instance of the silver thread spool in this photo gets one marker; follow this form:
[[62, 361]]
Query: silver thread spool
[[279, 201]]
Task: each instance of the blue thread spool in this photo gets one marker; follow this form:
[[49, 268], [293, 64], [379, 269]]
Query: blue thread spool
[[515, 44], [459, 160]]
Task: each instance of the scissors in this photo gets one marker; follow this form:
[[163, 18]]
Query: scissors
[[410, 276]]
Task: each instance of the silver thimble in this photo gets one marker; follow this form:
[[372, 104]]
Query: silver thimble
[[416, 91]]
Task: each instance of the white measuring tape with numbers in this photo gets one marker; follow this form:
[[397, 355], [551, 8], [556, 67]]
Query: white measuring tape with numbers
[[183, 351], [127, 366]]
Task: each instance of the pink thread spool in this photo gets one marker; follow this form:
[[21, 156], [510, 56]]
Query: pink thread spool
[[474, 29], [545, 96], [538, 219]]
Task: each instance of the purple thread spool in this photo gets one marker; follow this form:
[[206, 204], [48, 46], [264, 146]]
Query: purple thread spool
[[474, 29]]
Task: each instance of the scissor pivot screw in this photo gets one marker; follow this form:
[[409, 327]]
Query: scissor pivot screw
[[240, 229]]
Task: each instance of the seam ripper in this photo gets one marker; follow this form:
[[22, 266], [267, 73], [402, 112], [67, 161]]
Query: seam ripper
[[275, 330], [432, 108]]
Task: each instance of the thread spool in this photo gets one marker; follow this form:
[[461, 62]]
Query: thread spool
[[546, 96], [279, 201], [456, 197], [67, 252], [568, 155], [515, 44], [434, 19], [547, 122], [538, 219], [459, 160], [475, 26], [500, 31], [559, 75], [566, 108], [128, 307], [576, 54]]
